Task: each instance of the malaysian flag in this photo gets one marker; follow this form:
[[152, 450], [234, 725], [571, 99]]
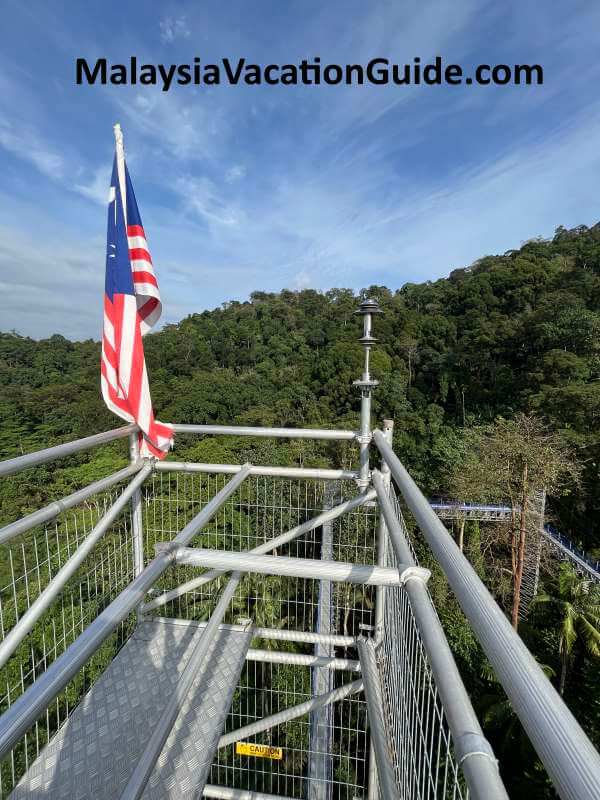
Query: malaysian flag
[[131, 308]]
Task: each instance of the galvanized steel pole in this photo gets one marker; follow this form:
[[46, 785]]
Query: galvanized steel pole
[[473, 751], [226, 793], [291, 713], [336, 571], [370, 676], [382, 541], [300, 660], [61, 450], [57, 506], [382, 544], [308, 473], [136, 516], [366, 384], [275, 433], [276, 634]]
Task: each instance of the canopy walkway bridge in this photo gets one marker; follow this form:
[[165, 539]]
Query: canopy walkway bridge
[[541, 539], [246, 632]]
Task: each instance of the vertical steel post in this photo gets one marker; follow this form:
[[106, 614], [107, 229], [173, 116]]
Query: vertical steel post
[[382, 545], [136, 516], [320, 769], [381, 748], [382, 536], [366, 384]]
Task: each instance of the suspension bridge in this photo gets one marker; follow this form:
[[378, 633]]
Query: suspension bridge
[[564, 547], [251, 632]]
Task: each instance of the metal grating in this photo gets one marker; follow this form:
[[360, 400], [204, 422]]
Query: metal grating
[[95, 752]]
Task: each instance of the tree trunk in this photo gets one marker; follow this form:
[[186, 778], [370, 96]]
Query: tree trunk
[[563, 672], [520, 555]]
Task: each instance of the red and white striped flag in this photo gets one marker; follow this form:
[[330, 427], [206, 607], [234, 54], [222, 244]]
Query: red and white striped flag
[[131, 308]]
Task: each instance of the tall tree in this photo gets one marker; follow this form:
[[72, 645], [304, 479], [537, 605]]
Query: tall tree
[[515, 461]]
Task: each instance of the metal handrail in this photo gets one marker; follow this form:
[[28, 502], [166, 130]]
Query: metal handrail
[[568, 755], [11, 465], [311, 473], [52, 510], [372, 690], [337, 571], [275, 433]]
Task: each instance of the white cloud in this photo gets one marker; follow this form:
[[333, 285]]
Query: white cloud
[[183, 125], [26, 145], [50, 286], [200, 195], [172, 28], [96, 189]]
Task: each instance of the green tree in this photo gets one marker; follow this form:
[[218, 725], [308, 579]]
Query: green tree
[[577, 602]]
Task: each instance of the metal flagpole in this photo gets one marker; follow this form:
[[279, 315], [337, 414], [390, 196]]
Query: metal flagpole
[[136, 518], [120, 153]]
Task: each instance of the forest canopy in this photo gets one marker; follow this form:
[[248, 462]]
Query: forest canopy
[[518, 332]]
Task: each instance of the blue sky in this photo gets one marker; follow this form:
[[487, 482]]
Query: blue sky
[[261, 188]]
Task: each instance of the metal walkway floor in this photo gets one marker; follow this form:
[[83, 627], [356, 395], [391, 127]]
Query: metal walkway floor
[[95, 752]]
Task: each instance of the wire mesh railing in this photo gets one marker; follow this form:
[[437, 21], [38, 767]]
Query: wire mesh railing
[[265, 689], [28, 563], [419, 738], [261, 509]]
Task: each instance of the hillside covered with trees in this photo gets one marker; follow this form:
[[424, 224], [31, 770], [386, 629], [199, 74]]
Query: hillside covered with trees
[[517, 332], [512, 335]]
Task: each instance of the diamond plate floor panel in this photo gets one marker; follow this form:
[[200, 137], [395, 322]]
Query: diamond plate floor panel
[[95, 752]]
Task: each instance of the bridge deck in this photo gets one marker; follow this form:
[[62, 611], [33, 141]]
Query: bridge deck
[[95, 752]]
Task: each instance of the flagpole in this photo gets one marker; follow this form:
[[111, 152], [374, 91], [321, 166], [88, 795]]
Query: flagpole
[[120, 151]]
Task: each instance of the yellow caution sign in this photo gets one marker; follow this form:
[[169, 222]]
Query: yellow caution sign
[[258, 750]]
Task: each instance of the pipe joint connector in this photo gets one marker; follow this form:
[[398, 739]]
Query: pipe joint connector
[[412, 573], [167, 549], [473, 744]]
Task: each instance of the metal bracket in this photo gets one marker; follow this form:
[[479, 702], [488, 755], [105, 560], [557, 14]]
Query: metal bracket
[[412, 573], [166, 548]]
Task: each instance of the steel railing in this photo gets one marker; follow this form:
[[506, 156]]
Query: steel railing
[[434, 741], [567, 753]]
